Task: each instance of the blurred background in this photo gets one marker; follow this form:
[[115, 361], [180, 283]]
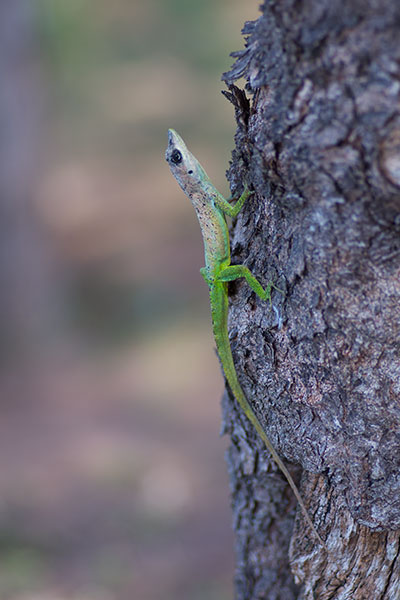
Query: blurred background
[[112, 477]]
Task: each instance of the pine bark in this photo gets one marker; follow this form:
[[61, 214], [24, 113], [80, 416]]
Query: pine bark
[[318, 141]]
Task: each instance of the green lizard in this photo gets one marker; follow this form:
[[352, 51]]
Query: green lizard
[[211, 207]]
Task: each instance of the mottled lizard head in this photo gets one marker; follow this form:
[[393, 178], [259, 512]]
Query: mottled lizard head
[[184, 166]]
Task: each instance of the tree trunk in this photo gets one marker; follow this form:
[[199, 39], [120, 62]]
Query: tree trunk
[[319, 144], [28, 306]]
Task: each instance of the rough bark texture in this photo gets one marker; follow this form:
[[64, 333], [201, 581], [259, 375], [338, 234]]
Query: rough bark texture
[[319, 143]]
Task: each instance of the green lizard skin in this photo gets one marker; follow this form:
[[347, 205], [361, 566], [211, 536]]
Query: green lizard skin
[[211, 208]]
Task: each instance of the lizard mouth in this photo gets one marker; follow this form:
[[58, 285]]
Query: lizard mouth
[[174, 139], [173, 144], [170, 146]]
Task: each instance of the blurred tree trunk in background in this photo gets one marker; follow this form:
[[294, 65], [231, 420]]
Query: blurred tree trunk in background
[[320, 145], [28, 287]]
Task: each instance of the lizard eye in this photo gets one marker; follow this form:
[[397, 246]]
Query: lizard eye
[[176, 157]]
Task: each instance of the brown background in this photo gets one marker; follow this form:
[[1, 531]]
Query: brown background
[[112, 478]]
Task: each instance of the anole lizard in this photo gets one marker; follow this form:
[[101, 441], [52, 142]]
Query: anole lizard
[[211, 207]]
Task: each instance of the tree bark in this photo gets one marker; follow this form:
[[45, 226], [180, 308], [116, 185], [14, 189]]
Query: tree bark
[[319, 143]]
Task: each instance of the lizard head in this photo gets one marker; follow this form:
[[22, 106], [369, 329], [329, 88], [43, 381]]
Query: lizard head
[[184, 166]]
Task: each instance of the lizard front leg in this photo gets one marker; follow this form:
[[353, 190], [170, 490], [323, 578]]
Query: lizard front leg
[[236, 271]]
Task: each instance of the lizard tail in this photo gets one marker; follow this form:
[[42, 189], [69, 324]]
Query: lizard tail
[[225, 355]]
